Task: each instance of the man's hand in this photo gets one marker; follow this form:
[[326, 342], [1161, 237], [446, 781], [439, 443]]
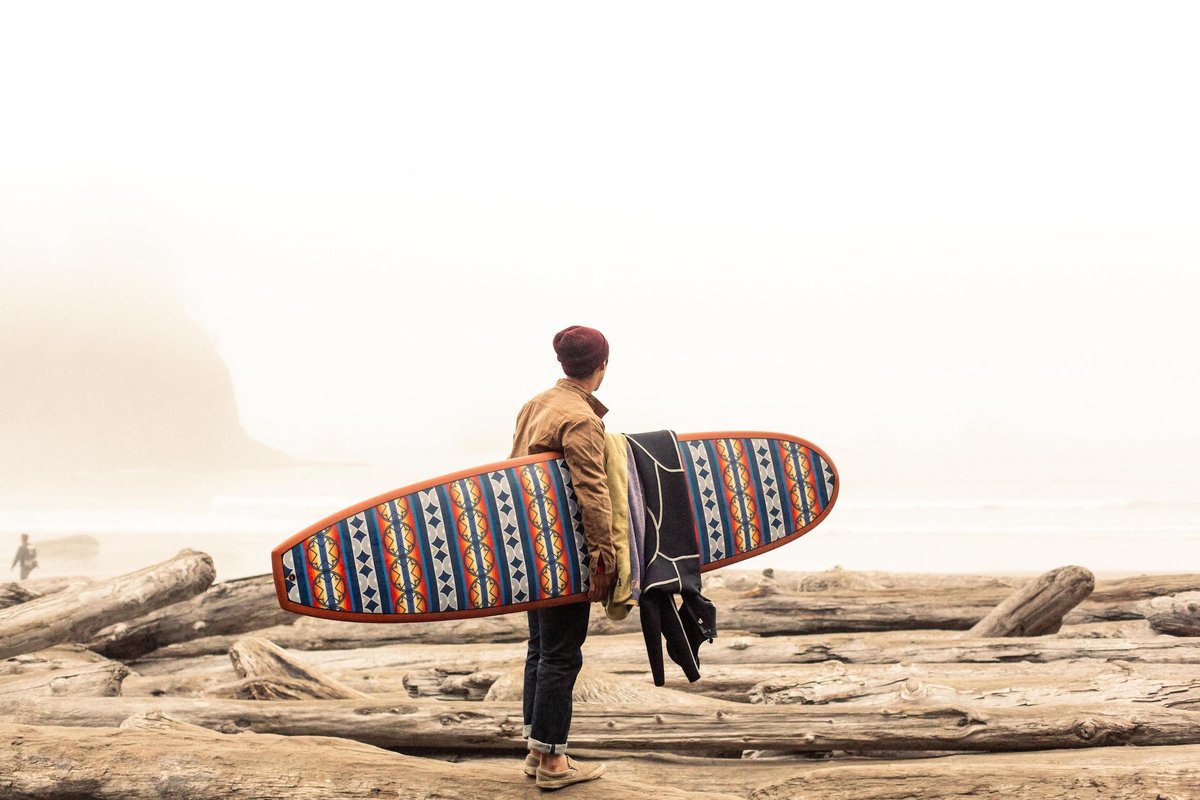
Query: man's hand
[[601, 585]]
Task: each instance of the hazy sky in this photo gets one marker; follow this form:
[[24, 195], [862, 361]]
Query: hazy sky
[[855, 222]]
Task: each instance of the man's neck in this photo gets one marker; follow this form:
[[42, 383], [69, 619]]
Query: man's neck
[[587, 387]]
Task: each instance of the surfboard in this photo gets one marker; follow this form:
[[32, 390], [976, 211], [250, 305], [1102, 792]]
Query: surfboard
[[507, 537]]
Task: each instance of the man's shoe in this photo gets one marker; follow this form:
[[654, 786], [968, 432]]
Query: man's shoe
[[531, 763], [574, 773]]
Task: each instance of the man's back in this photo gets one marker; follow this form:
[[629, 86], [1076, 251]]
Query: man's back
[[566, 418]]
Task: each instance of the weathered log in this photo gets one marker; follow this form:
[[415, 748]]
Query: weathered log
[[169, 760], [56, 583], [602, 688], [1115, 629], [76, 615], [12, 594], [731, 728], [782, 614], [839, 579], [1038, 607], [1143, 587], [1087, 681], [626, 652], [1177, 615], [777, 614], [269, 673], [1108, 590], [312, 633], [452, 683], [228, 607], [1112, 773], [66, 670], [767, 611]]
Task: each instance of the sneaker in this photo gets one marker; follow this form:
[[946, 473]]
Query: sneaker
[[574, 773], [531, 764]]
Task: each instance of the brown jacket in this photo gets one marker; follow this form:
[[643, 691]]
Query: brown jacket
[[566, 418]]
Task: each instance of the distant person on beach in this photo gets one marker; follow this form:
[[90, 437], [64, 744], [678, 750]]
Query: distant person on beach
[[566, 418], [26, 556]]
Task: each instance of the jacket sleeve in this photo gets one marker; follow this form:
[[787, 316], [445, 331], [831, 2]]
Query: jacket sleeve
[[583, 449]]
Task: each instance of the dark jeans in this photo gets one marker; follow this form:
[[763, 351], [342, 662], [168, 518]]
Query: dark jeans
[[552, 663]]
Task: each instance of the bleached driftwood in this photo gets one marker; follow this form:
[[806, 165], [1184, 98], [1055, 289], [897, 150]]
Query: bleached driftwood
[[65, 670], [269, 673], [12, 594], [624, 651], [452, 683], [929, 647], [312, 633], [839, 579], [1038, 607], [1110, 590], [56, 583], [1177, 615], [1087, 681], [730, 728], [772, 613], [228, 607], [602, 688], [166, 759], [74, 616], [769, 611], [1111, 773]]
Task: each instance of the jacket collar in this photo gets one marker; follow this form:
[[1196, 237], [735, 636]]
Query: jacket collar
[[591, 399]]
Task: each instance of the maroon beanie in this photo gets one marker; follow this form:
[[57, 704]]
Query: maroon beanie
[[580, 350]]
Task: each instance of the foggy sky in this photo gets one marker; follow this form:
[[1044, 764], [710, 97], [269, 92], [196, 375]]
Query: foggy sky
[[859, 223]]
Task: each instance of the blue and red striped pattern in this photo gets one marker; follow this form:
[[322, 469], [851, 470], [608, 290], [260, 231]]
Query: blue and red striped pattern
[[748, 493], [499, 538], [510, 536]]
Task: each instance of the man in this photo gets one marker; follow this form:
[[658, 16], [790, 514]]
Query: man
[[26, 556], [566, 418]]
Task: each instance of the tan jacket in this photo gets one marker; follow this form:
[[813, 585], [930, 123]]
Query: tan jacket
[[566, 418]]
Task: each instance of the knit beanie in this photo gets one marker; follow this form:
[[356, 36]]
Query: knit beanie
[[580, 350]]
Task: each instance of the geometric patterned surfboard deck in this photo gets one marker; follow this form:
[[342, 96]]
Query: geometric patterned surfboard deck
[[508, 536]]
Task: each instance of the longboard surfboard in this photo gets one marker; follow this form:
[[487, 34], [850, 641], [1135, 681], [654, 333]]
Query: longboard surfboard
[[508, 536]]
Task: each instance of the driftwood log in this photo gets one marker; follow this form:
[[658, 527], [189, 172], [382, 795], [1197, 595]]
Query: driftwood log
[[269, 673], [467, 673], [12, 594], [228, 607], [774, 614], [1086, 681], [1108, 590], [743, 580], [149, 762], [622, 651], [66, 670], [1113, 773], [1038, 607], [602, 688], [1178, 615], [55, 584], [731, 728], [74, 616]]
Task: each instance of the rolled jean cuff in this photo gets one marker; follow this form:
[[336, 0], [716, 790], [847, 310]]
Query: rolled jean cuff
[[526, 731], [542, 747]]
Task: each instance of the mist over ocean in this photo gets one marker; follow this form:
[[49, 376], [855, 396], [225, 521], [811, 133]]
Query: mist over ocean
[[1147, 520], [967, 276]]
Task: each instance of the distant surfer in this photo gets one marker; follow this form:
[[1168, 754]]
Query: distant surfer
[[566, 418], [26, 556]]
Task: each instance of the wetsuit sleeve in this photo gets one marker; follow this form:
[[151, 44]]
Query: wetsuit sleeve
[[652, 632]]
